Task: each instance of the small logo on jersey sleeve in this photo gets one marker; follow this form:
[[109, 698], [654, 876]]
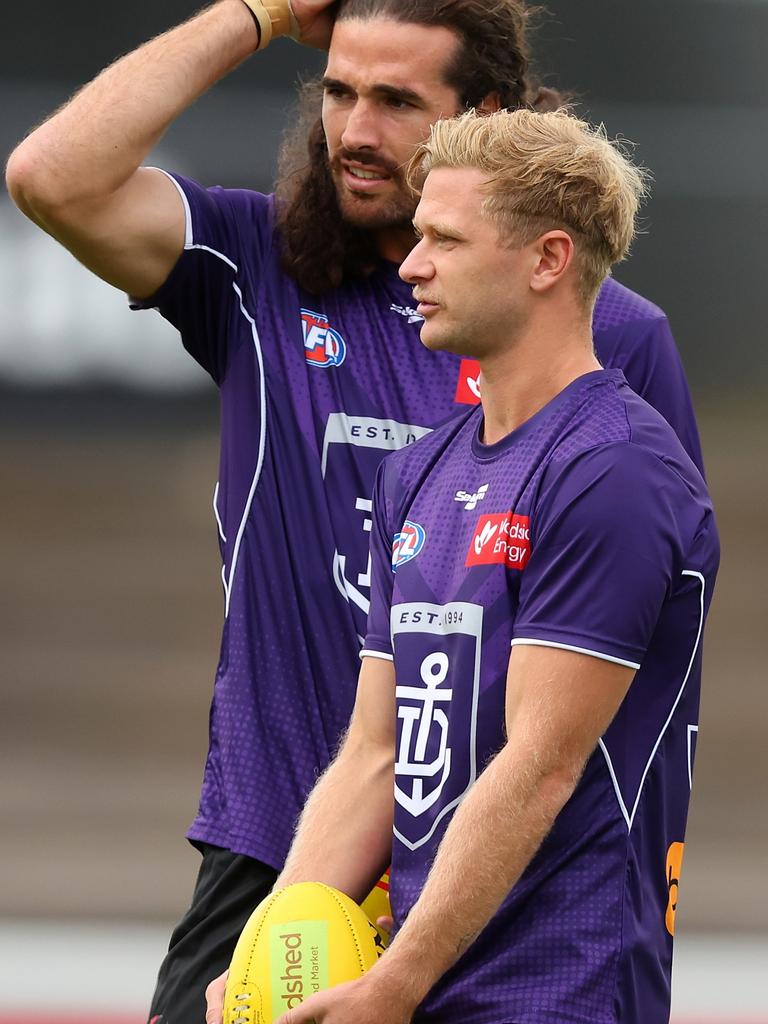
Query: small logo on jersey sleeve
[[468, 384], [500, 538], [407, 544], [323, 346]]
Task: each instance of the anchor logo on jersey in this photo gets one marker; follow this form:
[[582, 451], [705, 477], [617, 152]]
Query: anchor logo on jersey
[[424, 724], [407, 543], [437, 654], [323, 346]]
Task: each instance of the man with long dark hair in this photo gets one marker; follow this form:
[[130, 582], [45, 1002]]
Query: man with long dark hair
[[292, 303]]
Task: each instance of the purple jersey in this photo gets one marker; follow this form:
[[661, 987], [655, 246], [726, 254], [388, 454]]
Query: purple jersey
[[588, 528], [314, 392]]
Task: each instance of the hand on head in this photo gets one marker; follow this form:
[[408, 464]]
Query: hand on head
[[315, 19]]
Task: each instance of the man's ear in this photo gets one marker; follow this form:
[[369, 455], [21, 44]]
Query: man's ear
[[555, 252], [490, 104]]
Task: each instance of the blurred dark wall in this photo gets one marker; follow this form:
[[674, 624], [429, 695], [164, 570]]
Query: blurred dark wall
[[683, 80]]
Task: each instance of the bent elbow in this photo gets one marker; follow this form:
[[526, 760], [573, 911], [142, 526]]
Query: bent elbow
[[18, 175], [24, 181], [31, 185], [558, 783]]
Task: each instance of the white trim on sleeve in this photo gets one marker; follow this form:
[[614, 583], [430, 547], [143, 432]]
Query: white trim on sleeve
[[376, 654], [525, 641], [188, 240]]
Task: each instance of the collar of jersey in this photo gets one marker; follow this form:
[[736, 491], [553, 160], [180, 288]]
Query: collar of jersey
[[486, 452]]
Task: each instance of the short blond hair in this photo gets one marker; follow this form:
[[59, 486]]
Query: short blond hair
[[545, 171]]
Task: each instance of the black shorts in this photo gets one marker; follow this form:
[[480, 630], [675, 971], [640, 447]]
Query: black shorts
[[228, 888]]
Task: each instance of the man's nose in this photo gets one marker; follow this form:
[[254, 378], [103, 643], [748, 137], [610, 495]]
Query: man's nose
[[416, 266], [361, 130]]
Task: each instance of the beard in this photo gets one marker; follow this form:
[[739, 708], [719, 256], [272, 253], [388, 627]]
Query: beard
[[372, 212], [375, 213], [328, 235]]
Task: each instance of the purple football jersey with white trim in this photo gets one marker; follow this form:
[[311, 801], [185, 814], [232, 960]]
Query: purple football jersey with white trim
[[589, 529], [314, 392]]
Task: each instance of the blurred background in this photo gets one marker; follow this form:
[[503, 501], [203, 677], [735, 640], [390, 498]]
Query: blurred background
[[111, 607]]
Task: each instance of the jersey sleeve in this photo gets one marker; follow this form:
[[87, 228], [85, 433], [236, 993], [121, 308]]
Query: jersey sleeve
[[606, 548], [378, 640], [227, 235], [653, 368]]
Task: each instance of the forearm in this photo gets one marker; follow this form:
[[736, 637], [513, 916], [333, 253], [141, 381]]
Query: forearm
[[490, 841], [93, 145], [344, 836]]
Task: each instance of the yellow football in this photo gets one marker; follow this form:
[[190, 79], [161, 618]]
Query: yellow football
[[376, 905], [300, 940]]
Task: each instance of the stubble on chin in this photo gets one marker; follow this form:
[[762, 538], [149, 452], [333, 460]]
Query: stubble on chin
[[375, 213], [438, 340]]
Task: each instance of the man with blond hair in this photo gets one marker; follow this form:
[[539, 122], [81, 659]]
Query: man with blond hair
[[531, 670], [292, 303]]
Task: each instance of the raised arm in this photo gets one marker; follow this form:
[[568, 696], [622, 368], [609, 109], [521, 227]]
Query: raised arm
[[79, 175]]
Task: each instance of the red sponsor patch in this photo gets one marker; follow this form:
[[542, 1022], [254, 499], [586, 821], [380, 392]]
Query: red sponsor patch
[[468, 384], [501, 537]]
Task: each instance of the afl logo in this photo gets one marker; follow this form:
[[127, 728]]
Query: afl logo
[[323, 346], [407, 544]]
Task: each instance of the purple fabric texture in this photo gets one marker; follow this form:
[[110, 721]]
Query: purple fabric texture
[[314, 391], [590, 529]]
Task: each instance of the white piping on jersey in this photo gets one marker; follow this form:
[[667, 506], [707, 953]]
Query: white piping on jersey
[[187, 211], [629, 818], [691, 730], [376, 654], [262, 448], [615, 781], [189, 243], [700, 578], [524, 641], [214, 252], [216, 511]]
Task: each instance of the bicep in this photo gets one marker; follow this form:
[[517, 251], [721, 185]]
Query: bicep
[[373, 717], [559, 703], [132, 238]]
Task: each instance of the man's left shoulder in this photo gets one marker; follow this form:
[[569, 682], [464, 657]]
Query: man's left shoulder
[[617, 306], [615, 424]]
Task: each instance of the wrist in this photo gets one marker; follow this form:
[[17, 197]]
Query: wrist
[[402, 978], [274, 18]]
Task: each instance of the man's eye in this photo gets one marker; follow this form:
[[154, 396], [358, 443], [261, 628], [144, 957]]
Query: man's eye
[[397, 104]]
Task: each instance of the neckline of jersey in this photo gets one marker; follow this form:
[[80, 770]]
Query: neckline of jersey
[[487, 452]]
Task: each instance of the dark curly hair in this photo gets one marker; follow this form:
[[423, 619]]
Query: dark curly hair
[[319, 248]]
